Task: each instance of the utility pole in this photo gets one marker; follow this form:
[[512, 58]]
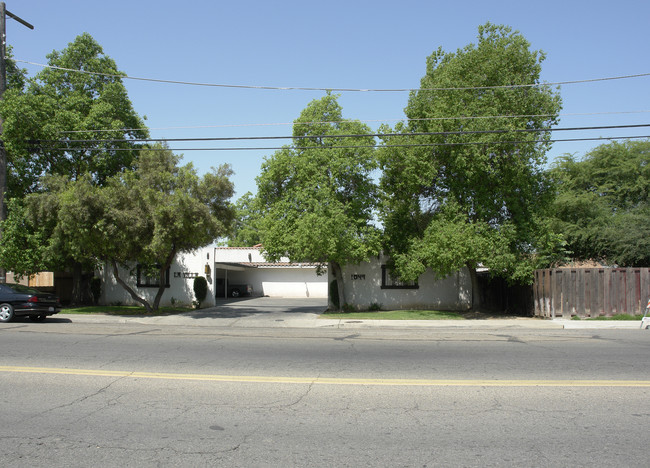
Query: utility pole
[[3, 86]]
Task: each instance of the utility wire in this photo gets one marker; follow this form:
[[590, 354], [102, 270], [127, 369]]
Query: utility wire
[[298, 88], [424, 119], [374, 135], [405, 145]]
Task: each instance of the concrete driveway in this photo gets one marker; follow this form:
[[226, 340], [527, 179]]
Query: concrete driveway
[[264, 308], [254, 312]]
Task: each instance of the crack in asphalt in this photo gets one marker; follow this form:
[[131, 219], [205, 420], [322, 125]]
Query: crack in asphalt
[[303, 396], [80, 400]]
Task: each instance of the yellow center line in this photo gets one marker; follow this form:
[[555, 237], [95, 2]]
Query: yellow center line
[[330, 380]]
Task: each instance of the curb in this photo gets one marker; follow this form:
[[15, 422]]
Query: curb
[[310, 320]]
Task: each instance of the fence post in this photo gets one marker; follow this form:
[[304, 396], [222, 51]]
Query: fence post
[[580, 308]]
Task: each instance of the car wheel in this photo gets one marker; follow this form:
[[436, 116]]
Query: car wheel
[[6, 312], [38, 318], [234, 293]]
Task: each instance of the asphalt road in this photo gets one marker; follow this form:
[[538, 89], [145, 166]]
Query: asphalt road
[[141, 395]]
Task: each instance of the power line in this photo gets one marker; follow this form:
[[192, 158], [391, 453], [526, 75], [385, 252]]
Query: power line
[[403, 145], [425, 119], [299, 88], [363, 135]]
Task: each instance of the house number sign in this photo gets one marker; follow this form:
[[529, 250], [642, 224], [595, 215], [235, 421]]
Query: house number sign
[[357, 277], [185, 274]]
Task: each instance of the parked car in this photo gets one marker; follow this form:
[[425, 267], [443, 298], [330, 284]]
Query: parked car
[[19, 300]]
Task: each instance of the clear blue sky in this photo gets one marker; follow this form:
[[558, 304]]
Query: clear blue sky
[[334, 44]]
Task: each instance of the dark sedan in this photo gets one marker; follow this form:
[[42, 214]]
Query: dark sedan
[[16, 299]]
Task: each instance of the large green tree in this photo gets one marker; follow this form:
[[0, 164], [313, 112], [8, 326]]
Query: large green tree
[[16, 79], [463, 180], [74, 124], [246, 230], [317, 195], [602, 206], [145, 216], [67, 122], [32, 238], [16, 76]]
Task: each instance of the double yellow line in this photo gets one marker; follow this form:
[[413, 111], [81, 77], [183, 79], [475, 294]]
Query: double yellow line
[[329, 381]]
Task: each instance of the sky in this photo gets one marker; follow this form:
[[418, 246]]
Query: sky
[[335, 44]]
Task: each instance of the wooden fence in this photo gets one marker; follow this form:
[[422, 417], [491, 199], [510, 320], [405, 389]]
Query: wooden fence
[[591, 292]]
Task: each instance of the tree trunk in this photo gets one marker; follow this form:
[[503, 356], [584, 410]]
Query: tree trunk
[[162, 280], [134, 295], [338, 276], [77, 285]]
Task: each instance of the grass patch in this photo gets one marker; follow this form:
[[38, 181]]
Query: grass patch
[[618, 317], [395, 315], [123, 310], [627, 317]]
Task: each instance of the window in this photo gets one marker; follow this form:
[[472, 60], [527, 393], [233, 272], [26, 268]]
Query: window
[[148, 277], [391, 281]]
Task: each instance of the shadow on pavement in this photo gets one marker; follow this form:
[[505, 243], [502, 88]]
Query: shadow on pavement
[[49, 319]]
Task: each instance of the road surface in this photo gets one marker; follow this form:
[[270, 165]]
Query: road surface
[[138, 395]]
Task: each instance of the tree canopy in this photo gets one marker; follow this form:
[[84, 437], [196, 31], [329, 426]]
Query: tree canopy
[[16, 76], [149, 215], [469, 189], [246, 229], [73, 124], [602, 206], [144, 216], [317, 195], [68, 122]]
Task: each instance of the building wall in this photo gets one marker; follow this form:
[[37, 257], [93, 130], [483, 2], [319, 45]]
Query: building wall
[[363, 288], [181, 280], [362, 283], [289, 282]]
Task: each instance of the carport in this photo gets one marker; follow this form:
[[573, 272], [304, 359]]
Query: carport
[[247, 266], [221, 283]]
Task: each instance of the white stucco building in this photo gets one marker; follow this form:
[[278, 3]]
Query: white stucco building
[[178, 287], [241, 271], [370, 283], [226, 270]]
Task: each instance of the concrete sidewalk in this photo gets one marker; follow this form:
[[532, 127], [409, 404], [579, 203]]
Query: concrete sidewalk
[[212, 318]]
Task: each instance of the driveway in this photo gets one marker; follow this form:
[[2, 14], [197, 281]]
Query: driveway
[[266, 308]]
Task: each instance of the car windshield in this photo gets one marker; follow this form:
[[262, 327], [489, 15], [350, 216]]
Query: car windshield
[[19, 288]]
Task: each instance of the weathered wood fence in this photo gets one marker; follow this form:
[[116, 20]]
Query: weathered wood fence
[[591, 292]]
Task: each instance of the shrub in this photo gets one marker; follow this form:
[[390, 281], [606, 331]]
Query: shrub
[[200, 290]]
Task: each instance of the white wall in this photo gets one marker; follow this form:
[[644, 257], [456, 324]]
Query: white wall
[[363, 288], [362, 283], [290, 282], [181, 279]]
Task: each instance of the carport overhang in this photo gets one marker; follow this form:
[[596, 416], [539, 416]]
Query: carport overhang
[[232, 266]]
